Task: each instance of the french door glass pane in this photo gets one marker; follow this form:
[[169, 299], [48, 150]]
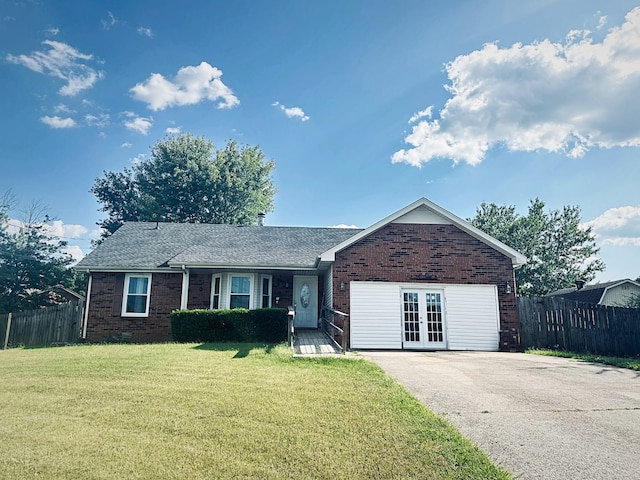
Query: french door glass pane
[[434, 317], [411, 317]]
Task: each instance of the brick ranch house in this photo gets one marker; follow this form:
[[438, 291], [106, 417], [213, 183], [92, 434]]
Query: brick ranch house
[[420, 278]]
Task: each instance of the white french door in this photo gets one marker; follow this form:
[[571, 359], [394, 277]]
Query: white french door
[[423, 322]]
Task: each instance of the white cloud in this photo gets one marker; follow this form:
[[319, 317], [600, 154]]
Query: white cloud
[[427, 112], [342, 225], [53, 31], [65, 231], [101, 120], [141, 157], [139, 124], [109, 22], [58, 122], [602, 21], [191, 85], [75, 251], [145, 32], [58, 231], [62, 108], [126, 145], [64, 62], [560, 97], [172, 130], [617, 226], [292, 111]]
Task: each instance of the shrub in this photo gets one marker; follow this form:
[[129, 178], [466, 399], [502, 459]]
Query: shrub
[[267, 325]]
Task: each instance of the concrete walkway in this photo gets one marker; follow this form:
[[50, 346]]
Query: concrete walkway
[[538, 417]]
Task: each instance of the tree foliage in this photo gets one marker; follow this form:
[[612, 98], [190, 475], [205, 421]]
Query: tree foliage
[[31, 261], [186, 180], [559, 250]]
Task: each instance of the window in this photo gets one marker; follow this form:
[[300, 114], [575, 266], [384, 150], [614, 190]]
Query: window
[[215, 292], [265, 291], [240, 291], [137, 289]]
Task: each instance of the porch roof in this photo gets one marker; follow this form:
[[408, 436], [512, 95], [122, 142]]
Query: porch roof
[[151, 245]]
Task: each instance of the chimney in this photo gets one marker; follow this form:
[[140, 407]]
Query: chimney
[[579, 284], [261, 219]]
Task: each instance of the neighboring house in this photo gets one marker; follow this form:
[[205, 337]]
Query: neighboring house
[[420, 278], [616, 294]]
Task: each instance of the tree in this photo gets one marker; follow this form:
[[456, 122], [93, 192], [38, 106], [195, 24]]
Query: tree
[[185, 180], [558, 249], [31, 260]]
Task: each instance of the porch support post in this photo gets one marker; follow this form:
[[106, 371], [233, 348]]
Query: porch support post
[[185, 289]]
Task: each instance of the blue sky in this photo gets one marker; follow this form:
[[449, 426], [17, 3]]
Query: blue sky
[[365, 105]]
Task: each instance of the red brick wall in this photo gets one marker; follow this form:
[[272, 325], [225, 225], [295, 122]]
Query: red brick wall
[[426, 254], [199, 290], [105, 320]]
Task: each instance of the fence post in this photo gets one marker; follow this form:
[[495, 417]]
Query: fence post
[[6, 335]]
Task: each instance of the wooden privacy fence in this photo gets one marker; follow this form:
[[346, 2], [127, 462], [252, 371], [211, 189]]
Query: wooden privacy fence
[[41, 327], [557, 323]]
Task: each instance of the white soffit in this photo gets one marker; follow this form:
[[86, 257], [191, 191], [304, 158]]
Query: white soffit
[[423, 215]]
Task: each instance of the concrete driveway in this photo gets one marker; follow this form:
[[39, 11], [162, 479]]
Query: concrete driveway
[[538, 417]]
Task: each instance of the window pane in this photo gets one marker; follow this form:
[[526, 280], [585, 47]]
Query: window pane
[[138, 285], [136, 304], [240, 285], [216, 286], [215, 304], [239, 301], [265, 286]]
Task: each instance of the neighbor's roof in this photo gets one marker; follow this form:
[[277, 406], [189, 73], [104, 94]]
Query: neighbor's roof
[[589, 293], [151, 245]]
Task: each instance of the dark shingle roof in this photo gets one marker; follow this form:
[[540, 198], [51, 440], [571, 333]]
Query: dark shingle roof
[[142, 245], [588, 293]]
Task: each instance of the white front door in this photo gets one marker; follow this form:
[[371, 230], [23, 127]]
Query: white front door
[[305, 301], [422, 319]]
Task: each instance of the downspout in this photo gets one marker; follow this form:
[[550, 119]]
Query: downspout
[[184, 297], [86, 308]]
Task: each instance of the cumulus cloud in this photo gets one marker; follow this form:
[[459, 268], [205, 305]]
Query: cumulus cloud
[[342, 225], [64, 62], [100, 120], [292, 112], [617, 226], [560, 97], [58, 122], [145, 32], [138, 124], [191, 85], [172, 130]]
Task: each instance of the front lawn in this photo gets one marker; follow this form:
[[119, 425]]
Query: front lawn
[[214, 412]]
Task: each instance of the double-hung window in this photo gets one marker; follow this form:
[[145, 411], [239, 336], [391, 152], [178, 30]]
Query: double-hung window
[[240, 291], [137, 290]]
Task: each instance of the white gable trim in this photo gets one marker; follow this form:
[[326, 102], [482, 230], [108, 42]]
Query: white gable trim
[[516, 257]]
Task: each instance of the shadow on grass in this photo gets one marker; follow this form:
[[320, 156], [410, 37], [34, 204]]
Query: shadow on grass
[[242, 349]]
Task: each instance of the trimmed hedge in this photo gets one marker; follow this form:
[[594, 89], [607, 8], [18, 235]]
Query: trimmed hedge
[[267, 325]]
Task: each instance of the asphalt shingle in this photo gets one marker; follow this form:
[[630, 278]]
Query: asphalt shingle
[[150, 245]]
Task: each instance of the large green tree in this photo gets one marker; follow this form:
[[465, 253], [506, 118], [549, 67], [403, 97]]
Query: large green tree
[[31, 261], [559, 250], [188, 180]]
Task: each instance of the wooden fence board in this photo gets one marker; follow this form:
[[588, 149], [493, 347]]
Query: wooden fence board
[[554, 322], [44, 326]]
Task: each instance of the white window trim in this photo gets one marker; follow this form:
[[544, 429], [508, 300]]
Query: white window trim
[[213, 284], [125, 295], [262, 279], [252, 280]]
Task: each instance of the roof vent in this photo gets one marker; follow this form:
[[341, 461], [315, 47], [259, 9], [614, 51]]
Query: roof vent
[[261, 219], [579, 284]]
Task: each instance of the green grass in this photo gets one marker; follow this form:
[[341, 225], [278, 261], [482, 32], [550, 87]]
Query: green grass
[[625, 362], [214, 412]]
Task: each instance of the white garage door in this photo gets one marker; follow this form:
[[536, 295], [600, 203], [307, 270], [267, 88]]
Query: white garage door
[[424, 316]]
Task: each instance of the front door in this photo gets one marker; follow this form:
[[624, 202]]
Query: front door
[[305, 301], [422, 319]]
